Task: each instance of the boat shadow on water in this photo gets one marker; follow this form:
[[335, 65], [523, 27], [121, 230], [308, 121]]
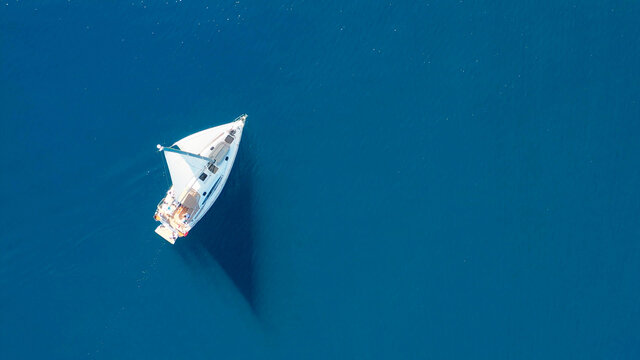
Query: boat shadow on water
[[225, 234]]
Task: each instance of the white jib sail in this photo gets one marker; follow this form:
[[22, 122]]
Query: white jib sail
[[195, 143]]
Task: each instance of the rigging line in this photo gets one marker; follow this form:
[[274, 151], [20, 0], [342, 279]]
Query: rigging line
[[185, 153], [165, 168]]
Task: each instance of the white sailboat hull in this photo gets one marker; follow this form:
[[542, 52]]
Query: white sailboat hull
[[200, 165]]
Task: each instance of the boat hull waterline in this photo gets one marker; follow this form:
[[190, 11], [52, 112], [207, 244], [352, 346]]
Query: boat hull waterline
[[199, 166]]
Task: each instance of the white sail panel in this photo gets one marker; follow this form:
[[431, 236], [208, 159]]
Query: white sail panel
[[197, 142], [183, 169]]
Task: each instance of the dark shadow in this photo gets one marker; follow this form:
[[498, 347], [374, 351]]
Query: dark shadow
[[225, 233]]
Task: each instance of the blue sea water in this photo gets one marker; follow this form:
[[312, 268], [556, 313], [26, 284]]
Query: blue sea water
[[417, 180]]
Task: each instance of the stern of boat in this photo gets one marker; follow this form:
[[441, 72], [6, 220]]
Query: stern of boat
[[167, 234]]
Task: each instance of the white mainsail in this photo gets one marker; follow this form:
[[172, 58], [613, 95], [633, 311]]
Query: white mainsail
[[183, 169]]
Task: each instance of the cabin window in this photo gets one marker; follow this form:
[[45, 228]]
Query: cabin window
[[203, 176], [229, 139], [213, 168]]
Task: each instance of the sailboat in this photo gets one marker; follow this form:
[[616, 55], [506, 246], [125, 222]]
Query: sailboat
[[199, 166]]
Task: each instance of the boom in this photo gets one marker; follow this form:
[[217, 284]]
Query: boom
[[162, 148]]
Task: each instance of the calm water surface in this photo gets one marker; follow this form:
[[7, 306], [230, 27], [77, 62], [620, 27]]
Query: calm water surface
[[416, 180]]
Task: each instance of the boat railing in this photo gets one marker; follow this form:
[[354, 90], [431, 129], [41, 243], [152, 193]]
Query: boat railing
[[242, 117]]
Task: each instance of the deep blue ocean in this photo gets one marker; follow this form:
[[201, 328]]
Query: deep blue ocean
[[416, 180]]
